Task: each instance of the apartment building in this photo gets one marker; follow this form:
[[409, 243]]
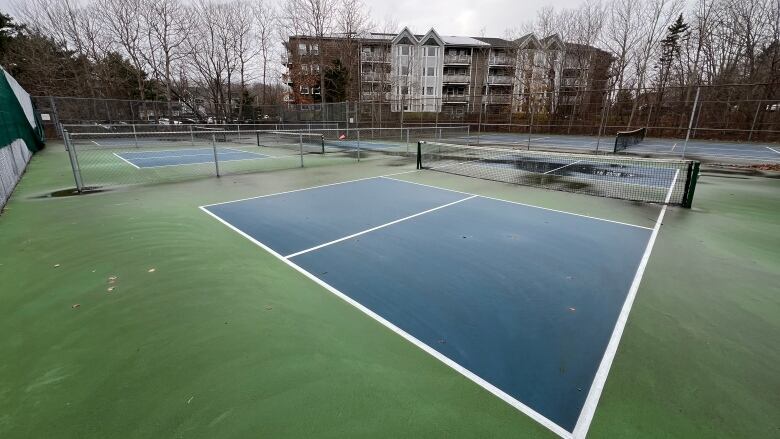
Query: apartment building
[[452, 74]]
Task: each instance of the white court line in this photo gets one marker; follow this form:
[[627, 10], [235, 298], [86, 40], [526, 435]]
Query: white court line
[[533, 414], [261, 157], [561, 167], [673, 146], [592, 400], [772, 149], [520, 204], [539, 138], [126, 161], [378, 227], [96, 143], [210, 154], [312, 187]]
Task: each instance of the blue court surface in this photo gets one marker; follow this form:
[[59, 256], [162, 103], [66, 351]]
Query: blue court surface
[[185, 156], [364, 144], [521, 300]]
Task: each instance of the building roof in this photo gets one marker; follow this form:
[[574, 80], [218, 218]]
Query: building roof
[[495, 42], [453, 40]]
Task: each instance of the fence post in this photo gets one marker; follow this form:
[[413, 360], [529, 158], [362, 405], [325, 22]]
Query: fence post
[[214, 148], [300, 147], [73, 161], [690, 122], [755, 118], [531, 123], [601, 125]]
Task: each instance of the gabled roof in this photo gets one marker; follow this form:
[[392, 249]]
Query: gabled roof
[[432, 37], [552, 41], [528, 41], [407, 35]]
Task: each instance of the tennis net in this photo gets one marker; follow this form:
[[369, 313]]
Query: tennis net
[[626, 139], [297, 141], [628, 178]]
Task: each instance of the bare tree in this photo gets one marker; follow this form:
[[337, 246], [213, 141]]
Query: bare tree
[[123, 24], [167, 27], [265, 17], [316, 19]]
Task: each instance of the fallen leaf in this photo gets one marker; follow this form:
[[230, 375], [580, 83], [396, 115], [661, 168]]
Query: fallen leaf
[[75, 305], [151, 270], [56, 265]]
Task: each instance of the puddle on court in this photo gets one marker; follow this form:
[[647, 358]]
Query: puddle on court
[[70, 192]]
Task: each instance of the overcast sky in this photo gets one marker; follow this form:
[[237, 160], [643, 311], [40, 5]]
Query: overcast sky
[[461, 17], [451, 17]]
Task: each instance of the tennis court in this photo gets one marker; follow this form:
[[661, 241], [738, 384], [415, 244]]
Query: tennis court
[[187, 156], [522, 300], [698, 148]]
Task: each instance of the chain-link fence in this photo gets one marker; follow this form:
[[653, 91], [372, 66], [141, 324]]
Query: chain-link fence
[[136, 154], [13, 161]]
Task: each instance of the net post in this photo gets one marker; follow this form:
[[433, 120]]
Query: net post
[[690, 184], [358, 146], [214, 149], [73, 161], [192, 137], [300, 147], [257, 135], [322, 143], [135, 136], [690, 122], [407, 140]]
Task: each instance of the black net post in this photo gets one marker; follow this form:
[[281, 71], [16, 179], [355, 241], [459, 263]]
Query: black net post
[[690, 184], [419, 155]]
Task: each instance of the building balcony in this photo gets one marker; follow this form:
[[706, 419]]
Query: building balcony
[[500, 60], [499, 80], [375, 57], [374, 76], [457, 59], [456, 79], [374, 96], [497, 99], [455, 99]]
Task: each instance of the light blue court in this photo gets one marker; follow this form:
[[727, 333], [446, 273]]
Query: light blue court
[[185, 156], [696, 148], [521, 300], [368, 144]]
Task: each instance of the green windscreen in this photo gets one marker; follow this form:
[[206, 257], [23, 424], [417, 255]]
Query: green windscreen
[[18, 119]]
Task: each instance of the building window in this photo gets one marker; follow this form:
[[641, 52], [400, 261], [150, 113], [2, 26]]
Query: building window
[[429, 90], [304, 90], [404, 70], [301, 48], [404, 90], [404, 50], [314, 48], [315, 90], [429, 72], [305, 68], [432, 51]]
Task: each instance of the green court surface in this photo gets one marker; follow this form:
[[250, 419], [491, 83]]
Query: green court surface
[[204, 335]]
